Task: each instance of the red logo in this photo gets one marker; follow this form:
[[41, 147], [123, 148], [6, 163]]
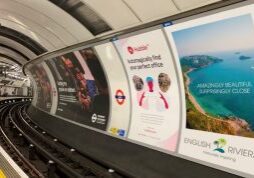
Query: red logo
[[130, 49], [120, 97]]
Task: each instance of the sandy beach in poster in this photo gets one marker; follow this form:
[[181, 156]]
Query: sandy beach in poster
[[192, 98], [205, 52], [234, 125]]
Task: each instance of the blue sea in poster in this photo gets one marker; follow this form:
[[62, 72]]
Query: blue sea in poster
[[231, 69]]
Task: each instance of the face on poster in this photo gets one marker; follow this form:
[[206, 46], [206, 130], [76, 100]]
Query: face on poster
[[82, 88], [155, 95], [120, 95], [43, 87], [216, 57]]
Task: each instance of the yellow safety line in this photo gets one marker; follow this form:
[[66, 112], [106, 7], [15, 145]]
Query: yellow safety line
[[2, 174]]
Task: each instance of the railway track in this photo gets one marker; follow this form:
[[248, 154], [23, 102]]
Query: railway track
[[11, 149], [59, 159]]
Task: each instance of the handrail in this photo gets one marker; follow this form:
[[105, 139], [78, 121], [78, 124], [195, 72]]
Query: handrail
[[98, 39]]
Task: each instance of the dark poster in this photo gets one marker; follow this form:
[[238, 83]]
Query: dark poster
[[82, 88], [44, 90]]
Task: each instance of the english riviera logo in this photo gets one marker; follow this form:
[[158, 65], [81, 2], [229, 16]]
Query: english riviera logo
[[220, 143]]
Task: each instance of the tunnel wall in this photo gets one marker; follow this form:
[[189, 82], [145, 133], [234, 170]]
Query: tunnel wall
[[181, 88]]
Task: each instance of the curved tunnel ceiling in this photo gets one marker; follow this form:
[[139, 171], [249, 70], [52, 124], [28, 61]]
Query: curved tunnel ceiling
[[9, 59], [12, 49], [30, 28], [26, 41], [10, 36], [12, 55]]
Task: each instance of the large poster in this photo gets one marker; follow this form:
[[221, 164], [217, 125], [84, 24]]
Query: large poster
[[216, 55], [120, 94], [154, 88], [43, 87], [82, 88]]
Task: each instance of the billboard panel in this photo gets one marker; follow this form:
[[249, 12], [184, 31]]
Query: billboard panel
[[215, 56], [83, 95], [154, 88]]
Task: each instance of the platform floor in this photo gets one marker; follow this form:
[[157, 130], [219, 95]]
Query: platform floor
[[8, 168]]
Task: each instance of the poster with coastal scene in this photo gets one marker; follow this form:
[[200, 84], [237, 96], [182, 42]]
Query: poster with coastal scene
[[218, 68], [215, 56]]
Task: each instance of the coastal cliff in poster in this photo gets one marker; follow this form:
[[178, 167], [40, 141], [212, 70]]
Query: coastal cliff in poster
[[215, 57], [217, 61]]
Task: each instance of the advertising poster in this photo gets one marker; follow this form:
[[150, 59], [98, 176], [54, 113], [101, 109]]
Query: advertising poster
[[53, 88], [82, 88], [43, 87], [120, 95], [154, 89], [215, 55]]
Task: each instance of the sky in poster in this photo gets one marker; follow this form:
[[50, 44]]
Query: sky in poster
[[234, 34]]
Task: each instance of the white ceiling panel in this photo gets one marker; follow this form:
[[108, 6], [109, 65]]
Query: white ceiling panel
[[32, 26], [23, 29], [114, 12], [57, 20], [191, 4], [17, 46], [53, 28], [46, 19], [148, 10], [31, 15]]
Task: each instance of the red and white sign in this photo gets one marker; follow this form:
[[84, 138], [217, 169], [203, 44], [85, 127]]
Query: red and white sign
[[120, 97], [120, 105], [132, 49]]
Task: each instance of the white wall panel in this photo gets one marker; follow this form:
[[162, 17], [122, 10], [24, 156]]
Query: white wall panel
[[148, 10]]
